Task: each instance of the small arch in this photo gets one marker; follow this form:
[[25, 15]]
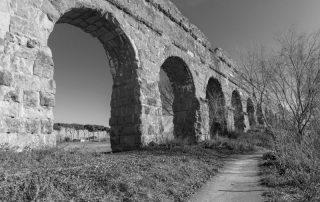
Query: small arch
[[177, 93], [238, 111], [269, 116], [260, 115], [216, 104], [251, 112]]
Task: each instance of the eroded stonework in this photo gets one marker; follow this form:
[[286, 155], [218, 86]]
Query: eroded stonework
[[139, 38]]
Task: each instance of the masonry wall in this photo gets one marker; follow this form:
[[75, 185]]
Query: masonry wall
[[152, 31], [71, 134]]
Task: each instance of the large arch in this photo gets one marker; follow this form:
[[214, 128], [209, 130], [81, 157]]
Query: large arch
[[238, 111], [216, 103], [251, 113], [177, 94], [121, 56]]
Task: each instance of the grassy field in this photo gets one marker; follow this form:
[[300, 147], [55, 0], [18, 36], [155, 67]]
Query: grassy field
[[99, 147], [167, 172]]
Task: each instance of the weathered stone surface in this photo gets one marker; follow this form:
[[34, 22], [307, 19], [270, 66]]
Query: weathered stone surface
[[14, 125], [43, 66], [6, 78], [32, 126], [4, 23], [31, 98], [47, 99], [141, 38], [46, 126], [14, 95]]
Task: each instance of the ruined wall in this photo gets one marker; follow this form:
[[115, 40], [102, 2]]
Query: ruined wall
[[139, 36], [71, 134]]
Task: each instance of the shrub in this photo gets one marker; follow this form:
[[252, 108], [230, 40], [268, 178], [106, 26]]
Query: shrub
[[293, 168], [90, 128], [67, 139], [239, 142]]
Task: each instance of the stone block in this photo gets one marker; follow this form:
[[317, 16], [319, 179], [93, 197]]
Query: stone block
[[46, 126], [50, 10], [47, 99], [19, 25], [43, 66], [4, 21], [32, 126], [20, 141], [6, 78], [9, 109], [31, 98], [4, 6], [14, 95], [62, 6], [13, 125], [22, 65]]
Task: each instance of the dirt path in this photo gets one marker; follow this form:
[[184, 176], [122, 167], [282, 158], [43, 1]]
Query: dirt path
[[238, 181]]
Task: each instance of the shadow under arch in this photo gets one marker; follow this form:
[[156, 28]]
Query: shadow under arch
[[238, 111], [260, 117], [121, 55], [216, 104], [177, 93], [251, 112]]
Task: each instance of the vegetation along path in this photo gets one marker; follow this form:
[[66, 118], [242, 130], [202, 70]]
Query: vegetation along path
[[237, 181]]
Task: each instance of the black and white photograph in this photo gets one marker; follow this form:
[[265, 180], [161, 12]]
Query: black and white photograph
[[160, 100]]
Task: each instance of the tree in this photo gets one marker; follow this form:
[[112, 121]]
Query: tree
[[296, 78], [290, 77], [255, 69]]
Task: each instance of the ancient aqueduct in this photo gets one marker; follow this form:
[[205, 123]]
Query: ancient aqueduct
[[140, 37]]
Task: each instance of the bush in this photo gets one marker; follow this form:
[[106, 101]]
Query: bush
[[67, 139], [236, 142], [231, 134], [90, 128], [293, 169]]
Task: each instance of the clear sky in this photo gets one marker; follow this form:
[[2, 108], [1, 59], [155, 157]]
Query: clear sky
[[84, 82], [83, 78], [239, 24]]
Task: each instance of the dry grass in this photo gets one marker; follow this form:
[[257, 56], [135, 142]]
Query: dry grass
[[152, 174], [292, 170], [156, 173], [239, 143]]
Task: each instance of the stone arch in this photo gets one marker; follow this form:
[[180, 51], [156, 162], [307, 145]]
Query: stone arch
[[216, 103], [251, 113], [260, 115], [177, 94], [269, 116], [121, 55], [238, 111]]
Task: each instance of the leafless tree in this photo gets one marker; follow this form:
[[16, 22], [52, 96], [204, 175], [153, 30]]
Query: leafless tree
[[255, 69], [290, 76], [296, 78]]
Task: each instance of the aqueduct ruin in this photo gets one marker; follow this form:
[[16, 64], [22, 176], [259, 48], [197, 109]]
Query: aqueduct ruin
[[142, 38]]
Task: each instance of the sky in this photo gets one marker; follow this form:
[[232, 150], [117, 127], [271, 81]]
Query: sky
[[235, 25], [82, 74], [83, 78]]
